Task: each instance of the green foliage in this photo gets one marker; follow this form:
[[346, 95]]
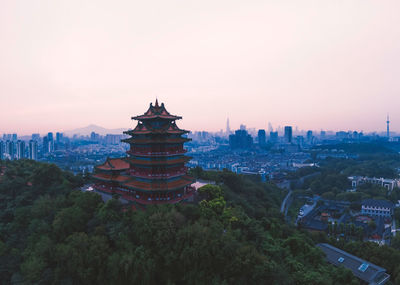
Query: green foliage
[[51, 233]]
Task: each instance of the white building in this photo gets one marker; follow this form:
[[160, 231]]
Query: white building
[[390, 184], [373, 207]]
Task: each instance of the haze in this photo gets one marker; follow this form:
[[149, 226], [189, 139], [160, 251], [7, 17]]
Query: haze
[[314, 64]]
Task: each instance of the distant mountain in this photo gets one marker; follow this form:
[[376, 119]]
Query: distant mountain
[[86, 131]]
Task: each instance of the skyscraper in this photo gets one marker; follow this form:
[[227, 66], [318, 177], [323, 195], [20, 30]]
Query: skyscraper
[[241, 139], [228, 127], [20, 149], [2, 149], [387, 127], [309, 136], [261, 137], [273, 137], [33, 150], [50, 136], [36, 137], [270, 128], [59, 137], [45, 145], [288, 134], [10, 150]]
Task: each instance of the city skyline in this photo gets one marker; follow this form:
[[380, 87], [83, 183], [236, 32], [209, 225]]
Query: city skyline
[[68, 65], [276, 128]]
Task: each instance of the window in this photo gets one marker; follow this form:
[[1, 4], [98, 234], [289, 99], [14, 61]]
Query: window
[[363, 267]]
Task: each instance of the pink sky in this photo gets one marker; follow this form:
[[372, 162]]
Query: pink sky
[[313, 64]]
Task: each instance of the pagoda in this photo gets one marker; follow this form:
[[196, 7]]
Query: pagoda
[[154, 170]]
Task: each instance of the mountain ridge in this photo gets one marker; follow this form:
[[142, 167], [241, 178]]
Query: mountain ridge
[[86, 131]]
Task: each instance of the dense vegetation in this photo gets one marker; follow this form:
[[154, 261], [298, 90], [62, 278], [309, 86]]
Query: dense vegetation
[[53, 234], [332, 181]]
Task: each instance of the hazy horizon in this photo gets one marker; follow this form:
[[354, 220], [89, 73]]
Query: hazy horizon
[[312, 64]]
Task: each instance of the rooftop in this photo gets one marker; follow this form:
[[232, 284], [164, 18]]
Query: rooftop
[[366, 271], [114, 164], [156, 111], [377, 203]]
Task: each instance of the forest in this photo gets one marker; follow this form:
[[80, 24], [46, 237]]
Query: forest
[[53, 233]]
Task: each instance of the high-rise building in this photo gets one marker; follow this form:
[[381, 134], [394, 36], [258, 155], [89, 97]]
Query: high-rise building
[[7, 137], [388, 127], [273, 137], [10, 150], [50, 143], [33, 150], [228, 127], [241, 139], [262, 139], [36, 137], [59, 137], [113, 139], [288, 134], [20, 154], [14, 137], [94, 137], [154, 171], [300, 141], [45, 145], [2, 149], [270, 128], [309, 136]]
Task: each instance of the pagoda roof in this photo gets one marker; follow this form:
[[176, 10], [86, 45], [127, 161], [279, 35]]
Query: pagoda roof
[[157, 112], [111, 178], [114, 164], [170, 128], [182, 159], [160, 185]]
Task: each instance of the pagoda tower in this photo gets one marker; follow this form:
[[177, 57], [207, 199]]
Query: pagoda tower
[[154, 170]]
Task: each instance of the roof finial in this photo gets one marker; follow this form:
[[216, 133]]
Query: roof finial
[[156, 102]]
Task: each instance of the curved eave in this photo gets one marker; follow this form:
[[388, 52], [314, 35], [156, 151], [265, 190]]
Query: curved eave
[[118, 164], [156, 132], [150, 117], [111, 169]]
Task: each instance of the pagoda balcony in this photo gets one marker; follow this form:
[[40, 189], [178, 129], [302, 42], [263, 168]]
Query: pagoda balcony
[[148, 198], [157, 153], [146, 174]]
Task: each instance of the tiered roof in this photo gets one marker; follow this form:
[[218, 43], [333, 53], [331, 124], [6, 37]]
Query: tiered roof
[[116, 164], [156, 111], [155, 126], [170, 128]]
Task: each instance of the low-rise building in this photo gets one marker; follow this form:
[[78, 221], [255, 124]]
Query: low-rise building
[[390, 184], [380, 208], [362, 269]]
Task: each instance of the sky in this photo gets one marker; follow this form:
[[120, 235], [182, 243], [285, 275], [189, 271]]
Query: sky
[[320, 64]]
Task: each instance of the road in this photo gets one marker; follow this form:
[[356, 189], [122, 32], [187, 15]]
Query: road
[[394, 230], [285, 205], [104, 196]]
